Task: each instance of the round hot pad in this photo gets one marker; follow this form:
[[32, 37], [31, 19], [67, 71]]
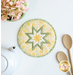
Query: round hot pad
[[36, 37]]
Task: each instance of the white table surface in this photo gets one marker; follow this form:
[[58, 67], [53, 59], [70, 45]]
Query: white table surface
[[57, 12]]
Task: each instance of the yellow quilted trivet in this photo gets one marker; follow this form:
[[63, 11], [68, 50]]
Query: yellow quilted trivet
[[36, 37]]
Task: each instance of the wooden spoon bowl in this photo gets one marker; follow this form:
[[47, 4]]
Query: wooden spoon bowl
[[61, 56], [67, 41]]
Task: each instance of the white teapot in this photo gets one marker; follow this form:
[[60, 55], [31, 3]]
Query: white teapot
[[10, 60]]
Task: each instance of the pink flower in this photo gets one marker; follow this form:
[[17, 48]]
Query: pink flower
[[23, 7], [12, 8], [1, 0], [25, 10], [11, 3], [7, 6], [3, 18], [18, 17], [15, 11], [22, 1], [20, 14], [4, 13], [59, 66], [7, 0], [69, 66], [18, 3], [12, 13], [28, 1], [15, 19]]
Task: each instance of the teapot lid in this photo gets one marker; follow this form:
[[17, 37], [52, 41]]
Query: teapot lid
[[4, 63]]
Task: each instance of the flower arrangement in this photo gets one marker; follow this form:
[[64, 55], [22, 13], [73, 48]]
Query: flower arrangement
[[13, 10]]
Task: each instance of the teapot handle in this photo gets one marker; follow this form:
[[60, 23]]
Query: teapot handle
[[12, 48]]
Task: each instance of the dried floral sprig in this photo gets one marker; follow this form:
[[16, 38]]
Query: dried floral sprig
[[13, 9]]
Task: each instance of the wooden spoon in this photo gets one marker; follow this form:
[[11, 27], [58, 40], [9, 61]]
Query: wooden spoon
[[67, 41], [62, 56]]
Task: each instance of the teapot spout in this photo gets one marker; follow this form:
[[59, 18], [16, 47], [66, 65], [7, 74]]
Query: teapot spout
[[12, 48]]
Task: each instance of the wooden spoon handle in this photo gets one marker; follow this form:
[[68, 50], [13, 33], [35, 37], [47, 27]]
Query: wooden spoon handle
[[70, 61], [69, 73]]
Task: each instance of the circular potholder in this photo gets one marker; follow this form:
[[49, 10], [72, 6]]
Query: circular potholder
[[36, 37]]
